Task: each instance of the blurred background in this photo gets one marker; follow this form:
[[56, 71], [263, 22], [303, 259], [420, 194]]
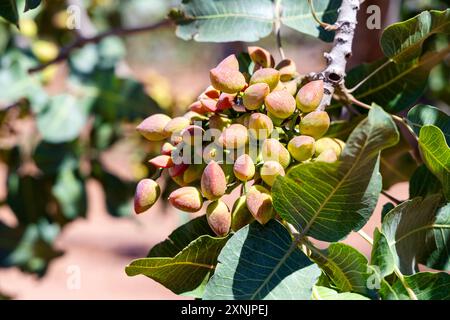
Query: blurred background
[[69, 153]]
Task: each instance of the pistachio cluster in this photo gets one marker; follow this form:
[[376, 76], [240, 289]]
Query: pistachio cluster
[[245, 129]]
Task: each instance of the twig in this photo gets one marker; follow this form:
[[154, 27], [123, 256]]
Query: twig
[[334, 74], [326, 26], [366, 237], [81, 42], [278, 28], [393, 199]]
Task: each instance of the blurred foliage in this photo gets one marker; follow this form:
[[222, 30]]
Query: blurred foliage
[[57, 124]]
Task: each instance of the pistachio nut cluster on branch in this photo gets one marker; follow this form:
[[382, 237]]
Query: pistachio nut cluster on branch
[[247, 127]]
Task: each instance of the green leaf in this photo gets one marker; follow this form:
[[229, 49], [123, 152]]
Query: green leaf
[[262, 262], [224, 21], [31, 248], [14, 76], [436, 155], [63, 118], [345, 266], [413, 232], [187, 270], [329, 200], [70, 192], [28, 197], [425, 285], [8, 10], [403, 41], [249, 20], [422, 115], [423, 183], [381, 255], [323, 293], [297, 15], [396, 86], [181, 237], [51, 158]]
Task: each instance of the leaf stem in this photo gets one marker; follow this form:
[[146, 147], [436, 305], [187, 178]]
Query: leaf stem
[[408, 289], [326, 26], [278, 28], [369, 76]]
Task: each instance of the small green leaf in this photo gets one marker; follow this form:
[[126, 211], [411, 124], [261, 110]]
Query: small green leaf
[[436, 155], [403, 41], [414, 233], [422, 115], [346, 267], [184, 272], [262, 262], [329, 200], [323, 293]]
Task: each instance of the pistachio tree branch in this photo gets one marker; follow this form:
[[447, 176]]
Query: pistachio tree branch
[[80, 42], [334, 74]]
